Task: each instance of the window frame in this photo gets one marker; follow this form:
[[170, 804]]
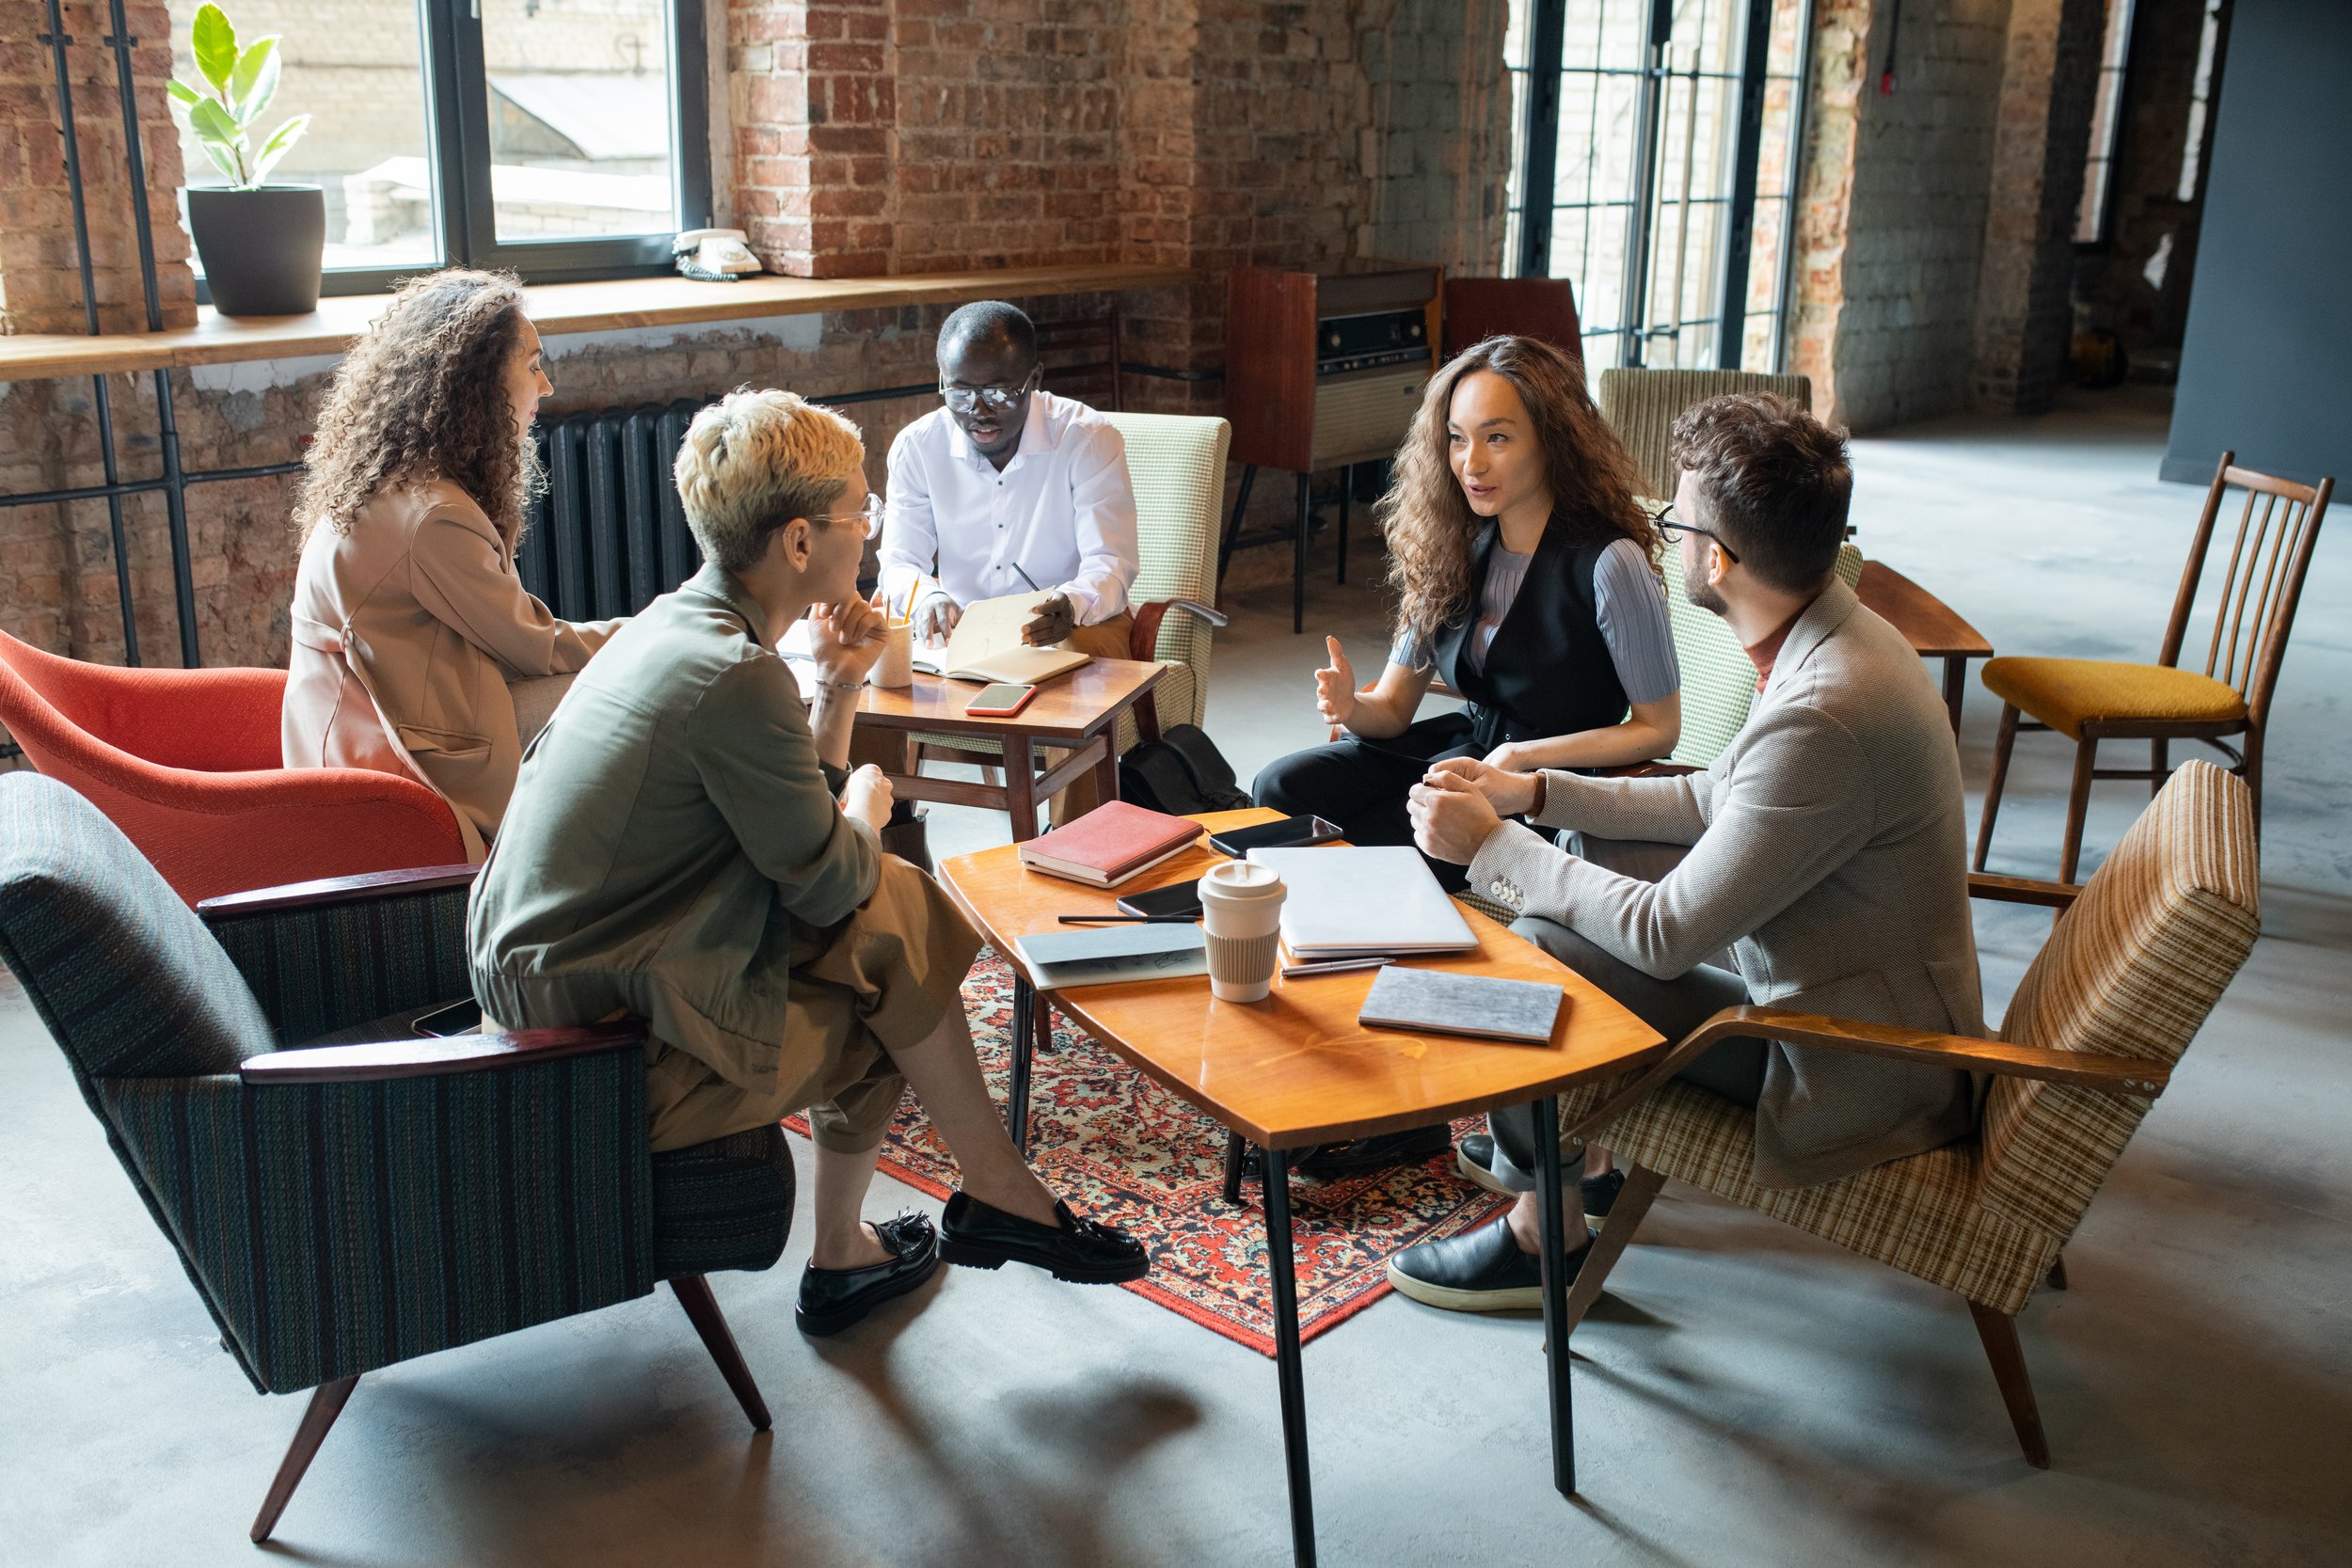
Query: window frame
[[456, 81], [2114, 82]]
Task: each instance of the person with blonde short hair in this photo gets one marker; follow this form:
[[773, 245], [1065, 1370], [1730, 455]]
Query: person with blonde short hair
[[687, 846]]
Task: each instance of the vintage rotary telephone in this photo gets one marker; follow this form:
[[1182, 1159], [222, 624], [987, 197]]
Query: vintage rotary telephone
[[713, 255]]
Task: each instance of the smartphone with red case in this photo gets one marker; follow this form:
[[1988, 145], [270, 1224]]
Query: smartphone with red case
[[1001, 701]]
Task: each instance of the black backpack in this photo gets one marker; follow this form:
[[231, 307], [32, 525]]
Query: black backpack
[[1182, 773]]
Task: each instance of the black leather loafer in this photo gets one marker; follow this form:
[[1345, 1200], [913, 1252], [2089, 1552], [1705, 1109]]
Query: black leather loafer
[[1084, 1252], [1482, 1271], [1474, 1157], [832, 1299], [1357, 1155]]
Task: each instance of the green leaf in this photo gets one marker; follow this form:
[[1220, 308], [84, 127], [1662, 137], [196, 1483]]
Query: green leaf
[[281, 143], [254, 83], [222, 157], [214, 44], [212, 128], [183, 92]]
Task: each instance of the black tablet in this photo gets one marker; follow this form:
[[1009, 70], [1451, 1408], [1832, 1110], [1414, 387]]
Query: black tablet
[[1176, 899], [1289, 831]]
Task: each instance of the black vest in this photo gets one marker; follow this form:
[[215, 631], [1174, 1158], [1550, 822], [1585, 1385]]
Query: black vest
[[1547, 670]]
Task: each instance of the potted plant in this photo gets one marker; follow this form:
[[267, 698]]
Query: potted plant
[[261, 244]]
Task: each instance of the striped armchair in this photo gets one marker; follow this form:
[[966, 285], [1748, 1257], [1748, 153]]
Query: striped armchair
[[1641, 407], [1177, 463], [2137, 959], [347, 1206]]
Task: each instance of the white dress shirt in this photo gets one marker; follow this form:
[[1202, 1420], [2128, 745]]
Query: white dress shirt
[[1063, 511]]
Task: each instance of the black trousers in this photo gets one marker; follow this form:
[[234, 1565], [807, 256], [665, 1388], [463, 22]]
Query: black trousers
[[1360, 783]]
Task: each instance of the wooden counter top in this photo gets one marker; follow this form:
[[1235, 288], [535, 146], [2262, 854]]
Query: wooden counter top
[[559, 308]]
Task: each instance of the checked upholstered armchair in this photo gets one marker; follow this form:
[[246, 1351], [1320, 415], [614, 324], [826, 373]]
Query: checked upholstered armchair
[[342, 1205], [2135, 960]]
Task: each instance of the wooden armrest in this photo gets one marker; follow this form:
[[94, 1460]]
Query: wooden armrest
[[2080, 1069], [1144, 639], [2023, 889], [431, 1058], [337, 890]]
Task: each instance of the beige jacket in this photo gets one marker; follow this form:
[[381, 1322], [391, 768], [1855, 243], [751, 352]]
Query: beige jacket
[[1828, 850], [406, 631]]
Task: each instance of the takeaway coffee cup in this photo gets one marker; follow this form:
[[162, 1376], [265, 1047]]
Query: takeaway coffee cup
[[896, 665], [1241, 910]]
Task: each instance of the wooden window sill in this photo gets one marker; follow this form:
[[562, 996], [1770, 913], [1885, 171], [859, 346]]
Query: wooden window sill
[[559, 308]]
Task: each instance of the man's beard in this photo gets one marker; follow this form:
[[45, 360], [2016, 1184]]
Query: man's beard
[[1703, 594]]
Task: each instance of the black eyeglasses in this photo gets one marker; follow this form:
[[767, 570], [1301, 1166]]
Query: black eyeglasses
[[964, 399], [1672, 528]]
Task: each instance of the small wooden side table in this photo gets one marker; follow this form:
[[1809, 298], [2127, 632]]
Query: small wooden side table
[[1295, 1070], [1933, 628], [1079, 710]]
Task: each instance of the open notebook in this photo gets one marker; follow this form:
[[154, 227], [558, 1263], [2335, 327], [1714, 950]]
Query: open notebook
[[986, 645]]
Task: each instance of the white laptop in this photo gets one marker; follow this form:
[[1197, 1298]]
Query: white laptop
[[1346, 901]]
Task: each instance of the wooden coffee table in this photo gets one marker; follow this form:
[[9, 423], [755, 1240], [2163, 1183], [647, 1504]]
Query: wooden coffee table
[[1295, 1070], [1079, 710]]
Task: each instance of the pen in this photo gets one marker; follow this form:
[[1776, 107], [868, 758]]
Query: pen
[[1025, 578], [1128, 919], [1332, 966]]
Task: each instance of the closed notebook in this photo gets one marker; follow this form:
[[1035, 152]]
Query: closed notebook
[[1436, 1002], [1113, 842], [1114, 955], [1349, 901]]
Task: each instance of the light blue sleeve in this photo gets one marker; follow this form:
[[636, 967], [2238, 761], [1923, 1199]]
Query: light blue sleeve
[[1405, 650], [1629, 605]]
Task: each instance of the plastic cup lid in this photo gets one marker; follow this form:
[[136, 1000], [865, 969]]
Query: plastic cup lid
[[1243, 879]]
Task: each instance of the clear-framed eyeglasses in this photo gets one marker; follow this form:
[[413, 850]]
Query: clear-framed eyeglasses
[[869, 516], [964, 400]]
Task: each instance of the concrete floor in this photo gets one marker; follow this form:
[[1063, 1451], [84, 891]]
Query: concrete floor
[[1746, 1395]]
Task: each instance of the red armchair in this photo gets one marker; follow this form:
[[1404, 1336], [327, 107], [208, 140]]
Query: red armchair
[[186, 764]]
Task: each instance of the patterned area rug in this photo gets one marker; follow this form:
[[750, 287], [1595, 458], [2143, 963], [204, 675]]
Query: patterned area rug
[[1125, 1150]]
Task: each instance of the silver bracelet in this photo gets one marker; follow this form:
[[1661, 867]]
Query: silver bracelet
[[824, 685]]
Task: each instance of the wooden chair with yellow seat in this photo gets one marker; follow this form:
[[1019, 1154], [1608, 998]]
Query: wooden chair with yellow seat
[[2090, 701]]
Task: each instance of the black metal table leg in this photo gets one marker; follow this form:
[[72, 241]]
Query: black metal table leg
[[1287, 1370], [1555, 1289], [1298, 555], [1025, 1004], [1347, 488], [1233, 526], [1235, 1150]]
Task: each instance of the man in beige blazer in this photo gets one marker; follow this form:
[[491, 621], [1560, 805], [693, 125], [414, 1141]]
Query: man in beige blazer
[[1825, 847], [414, 645]]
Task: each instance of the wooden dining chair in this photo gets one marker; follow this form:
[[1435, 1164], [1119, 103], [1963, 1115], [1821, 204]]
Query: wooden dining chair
[[2090, 700]]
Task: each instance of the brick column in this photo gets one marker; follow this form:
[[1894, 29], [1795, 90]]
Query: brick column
[[2024, 321], [40, 286], [814, 108], [1841, 41]]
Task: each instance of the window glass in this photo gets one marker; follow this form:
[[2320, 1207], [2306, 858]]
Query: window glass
[[356, 67], [579, 118], [2107, 108]]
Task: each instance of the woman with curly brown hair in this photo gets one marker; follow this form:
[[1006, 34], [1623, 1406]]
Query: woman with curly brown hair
[[1523, 563], [409, 623]]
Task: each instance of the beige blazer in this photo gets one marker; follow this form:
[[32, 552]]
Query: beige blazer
[[407, 632], [1829, 851]]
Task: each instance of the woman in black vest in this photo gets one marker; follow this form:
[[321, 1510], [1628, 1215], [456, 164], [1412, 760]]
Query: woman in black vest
[[1523, 564]]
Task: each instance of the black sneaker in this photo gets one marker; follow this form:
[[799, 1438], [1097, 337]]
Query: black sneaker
[[1482, 1271], [1474, 1157]]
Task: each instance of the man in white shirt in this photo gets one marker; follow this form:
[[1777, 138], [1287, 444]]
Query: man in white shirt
[[1010, 489]]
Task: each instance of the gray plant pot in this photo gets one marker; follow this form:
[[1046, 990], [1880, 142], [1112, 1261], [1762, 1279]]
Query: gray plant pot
[[261, 249]]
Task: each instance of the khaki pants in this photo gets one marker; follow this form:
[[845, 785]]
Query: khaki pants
[[881, 979], [886, 749]]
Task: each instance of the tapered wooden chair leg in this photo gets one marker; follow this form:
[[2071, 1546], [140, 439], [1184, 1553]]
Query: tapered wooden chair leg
[[1998, 1330], [702, 1309], [2003, 744], [327, 1402], [1633, 1201], [2160, 765], [2078, 807]]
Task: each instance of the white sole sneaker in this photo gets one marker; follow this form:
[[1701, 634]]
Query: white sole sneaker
[[1520, 1299]]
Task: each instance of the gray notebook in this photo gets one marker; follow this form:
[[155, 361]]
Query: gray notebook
[[1114, 955], [1440, 1003]]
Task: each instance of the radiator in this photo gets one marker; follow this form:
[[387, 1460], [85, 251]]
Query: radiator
[[608, 535]]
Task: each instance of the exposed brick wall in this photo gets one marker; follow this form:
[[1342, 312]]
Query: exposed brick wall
[[41, 288], [1436, 141], [2023, 321]]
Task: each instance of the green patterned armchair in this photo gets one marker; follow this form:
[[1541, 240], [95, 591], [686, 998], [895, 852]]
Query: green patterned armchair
[[339, 1205]]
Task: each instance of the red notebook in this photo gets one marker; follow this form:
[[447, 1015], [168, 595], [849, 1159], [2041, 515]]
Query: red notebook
[[1108, 845]]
